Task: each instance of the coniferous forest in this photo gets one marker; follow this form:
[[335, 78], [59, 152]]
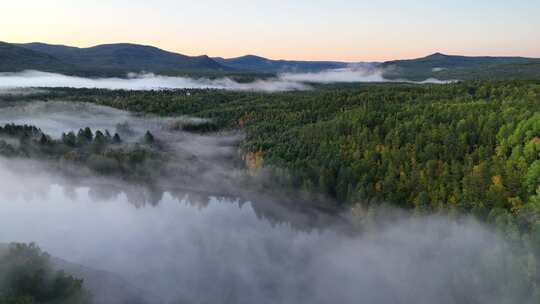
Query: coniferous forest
[[467, 147]]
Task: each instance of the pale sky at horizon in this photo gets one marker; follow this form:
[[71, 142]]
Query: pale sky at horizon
[[312, 30]]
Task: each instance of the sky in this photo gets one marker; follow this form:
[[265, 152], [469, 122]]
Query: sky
[[348, 30]]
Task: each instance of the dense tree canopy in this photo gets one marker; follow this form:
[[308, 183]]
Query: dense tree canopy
[[467, 147]]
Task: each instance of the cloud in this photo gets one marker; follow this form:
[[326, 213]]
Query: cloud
[[352, 74], [219, 252], [9, 82], [337, 75], [140, 82]]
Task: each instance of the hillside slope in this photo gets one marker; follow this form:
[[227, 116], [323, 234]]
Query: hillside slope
[[443, 66], [125, 57], [121, 58], [14, 59]]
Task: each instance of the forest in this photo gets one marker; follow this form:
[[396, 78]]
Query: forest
[[468, 147], [465, 148]]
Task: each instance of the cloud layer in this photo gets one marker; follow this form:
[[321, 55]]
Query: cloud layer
[[337, 75], [283, 82], [217, 252], [140, 82]]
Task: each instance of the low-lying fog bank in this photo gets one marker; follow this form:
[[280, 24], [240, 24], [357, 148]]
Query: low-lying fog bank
[[283, 82], [220, 252], [191, 244], [208, 164]]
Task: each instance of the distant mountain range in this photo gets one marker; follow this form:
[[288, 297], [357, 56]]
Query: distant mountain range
[[443, 66], [122, 58], [15, 58], [260, 64], [118, 59]]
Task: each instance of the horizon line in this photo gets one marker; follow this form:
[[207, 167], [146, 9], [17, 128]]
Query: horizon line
[[265, 57]]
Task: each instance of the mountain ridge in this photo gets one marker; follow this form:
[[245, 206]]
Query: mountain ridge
[[445, 67], [126, 57], [119, 59], [15, 59]]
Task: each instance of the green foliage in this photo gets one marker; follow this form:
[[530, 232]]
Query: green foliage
[[469, 147], [100, 152], [26, 276], [204, 127]]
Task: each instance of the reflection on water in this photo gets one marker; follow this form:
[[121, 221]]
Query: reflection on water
[[222, 252], [172, 249], [200, 166]]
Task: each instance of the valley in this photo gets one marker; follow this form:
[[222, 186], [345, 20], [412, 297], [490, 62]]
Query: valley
[[269, 152], [260, 172]]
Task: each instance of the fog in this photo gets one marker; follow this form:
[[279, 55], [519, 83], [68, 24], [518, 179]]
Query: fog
[[148, 81], [140, 82], [224, 253], [197, 246], [360, 74], [205, 164], [55, 118], [349, 75]]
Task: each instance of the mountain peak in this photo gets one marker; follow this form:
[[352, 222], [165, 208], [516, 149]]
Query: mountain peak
[[437, 55]]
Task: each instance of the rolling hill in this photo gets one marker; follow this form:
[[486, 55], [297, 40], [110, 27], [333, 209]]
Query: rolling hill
[[443, 67], [122, 58], [125, 57], [14, 59]]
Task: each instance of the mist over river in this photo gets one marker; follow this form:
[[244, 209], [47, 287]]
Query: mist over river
[[196, 246]]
